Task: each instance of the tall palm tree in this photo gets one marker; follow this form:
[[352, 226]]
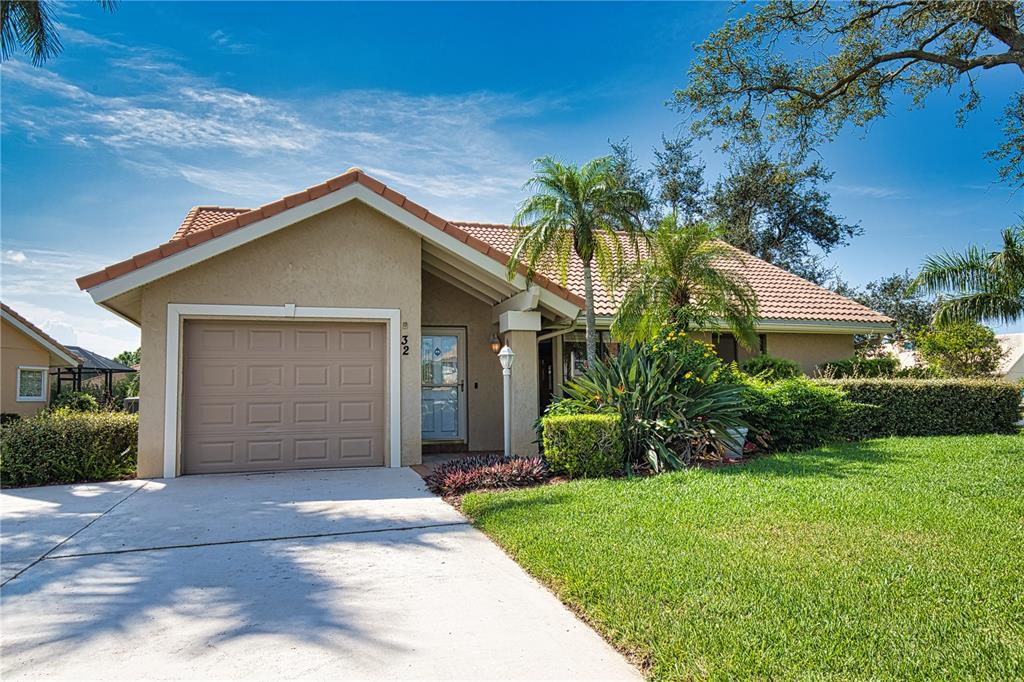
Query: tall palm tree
[[985, 285], [29, 25], [585, 210], [691, 278]]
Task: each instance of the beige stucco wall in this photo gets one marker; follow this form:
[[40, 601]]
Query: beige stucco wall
[[810, 350], [525, 391], [350, 256], [17, 349], [446, 306]]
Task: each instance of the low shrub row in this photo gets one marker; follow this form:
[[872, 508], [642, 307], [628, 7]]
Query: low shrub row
[[928, 407], [801, 413], [67, 446], [884, 366]]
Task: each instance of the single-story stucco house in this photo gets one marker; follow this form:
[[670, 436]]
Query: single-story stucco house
[[27, 354], [346, 325]]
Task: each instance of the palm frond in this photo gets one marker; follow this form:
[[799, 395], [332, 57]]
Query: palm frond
[[981, 285]]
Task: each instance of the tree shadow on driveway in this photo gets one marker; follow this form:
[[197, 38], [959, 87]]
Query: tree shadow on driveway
[[217, 573]]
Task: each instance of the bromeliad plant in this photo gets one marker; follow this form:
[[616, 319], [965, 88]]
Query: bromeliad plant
[[671, 408]]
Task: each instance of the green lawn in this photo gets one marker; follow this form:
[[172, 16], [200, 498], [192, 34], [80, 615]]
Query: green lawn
[[889, 558]]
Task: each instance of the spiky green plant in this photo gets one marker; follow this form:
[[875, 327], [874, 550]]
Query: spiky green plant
[[670, 410]]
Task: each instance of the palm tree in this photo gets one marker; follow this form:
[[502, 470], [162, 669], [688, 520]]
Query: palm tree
[[985, 285], [689, 279], [29, 25], [585, 210]]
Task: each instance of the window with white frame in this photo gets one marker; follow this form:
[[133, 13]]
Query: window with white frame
[[31, 383]]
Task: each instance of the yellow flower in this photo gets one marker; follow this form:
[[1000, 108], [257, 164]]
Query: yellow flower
[[688, 375]]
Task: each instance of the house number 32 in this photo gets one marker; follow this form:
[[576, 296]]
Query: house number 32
[[405, 344]]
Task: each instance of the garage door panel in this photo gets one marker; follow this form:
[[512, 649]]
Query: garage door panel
[[211, 377], [270, 396], [215, 414], [251, 452]]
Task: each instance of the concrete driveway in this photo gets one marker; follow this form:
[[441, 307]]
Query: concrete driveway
[[357, 574]]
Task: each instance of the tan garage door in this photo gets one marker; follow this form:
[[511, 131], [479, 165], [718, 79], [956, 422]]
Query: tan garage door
[[268, 396]]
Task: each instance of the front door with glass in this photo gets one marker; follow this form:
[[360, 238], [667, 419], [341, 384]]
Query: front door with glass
[[443, 384]]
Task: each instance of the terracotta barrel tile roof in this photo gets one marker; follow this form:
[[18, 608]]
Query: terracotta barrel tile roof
[[202, 217], [781, 294]]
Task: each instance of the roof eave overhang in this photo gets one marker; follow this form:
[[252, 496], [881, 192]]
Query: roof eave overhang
[[796, 326], [105, 291]]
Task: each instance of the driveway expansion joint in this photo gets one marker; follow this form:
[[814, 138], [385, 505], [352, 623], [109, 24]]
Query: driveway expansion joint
[[215, 543], [65, 540]]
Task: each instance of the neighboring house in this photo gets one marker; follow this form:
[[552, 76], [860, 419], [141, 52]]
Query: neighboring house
[[27, 354], [1012, 366], [346, 325]]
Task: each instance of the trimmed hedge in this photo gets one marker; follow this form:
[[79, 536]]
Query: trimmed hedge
[[929, 407], [583, 445], [770, 368], [795, 414], [883, 366], [64, 446]]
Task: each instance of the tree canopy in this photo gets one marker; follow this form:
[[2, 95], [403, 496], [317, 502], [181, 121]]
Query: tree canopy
[[896, 297], [589, 210], [779, 212], [847, 63]]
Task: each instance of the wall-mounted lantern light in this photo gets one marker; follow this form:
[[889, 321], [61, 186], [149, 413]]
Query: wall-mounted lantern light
[[495, 343]]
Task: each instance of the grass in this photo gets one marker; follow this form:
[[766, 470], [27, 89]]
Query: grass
[[893, 558]]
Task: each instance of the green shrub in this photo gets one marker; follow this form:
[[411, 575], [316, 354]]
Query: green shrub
[[929, 407], [796, 414], [64, 446], [79, 401], [883, 366], [8, 417], [960, 349], [769, 368], [583, 445]]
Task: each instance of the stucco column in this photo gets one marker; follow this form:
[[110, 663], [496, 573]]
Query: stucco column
[[525, 390]]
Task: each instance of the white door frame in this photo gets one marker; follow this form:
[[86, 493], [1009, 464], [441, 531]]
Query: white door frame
[[177, 313], [460, 333]]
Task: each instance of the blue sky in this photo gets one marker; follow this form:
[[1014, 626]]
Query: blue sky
[[159, 107]]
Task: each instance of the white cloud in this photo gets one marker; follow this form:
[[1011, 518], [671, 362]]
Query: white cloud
[[225, 41], [174, 123], [40, 284], [62, 331], [870, 191]]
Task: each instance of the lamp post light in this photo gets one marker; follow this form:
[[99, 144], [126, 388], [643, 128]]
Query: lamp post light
[[506, 357]]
